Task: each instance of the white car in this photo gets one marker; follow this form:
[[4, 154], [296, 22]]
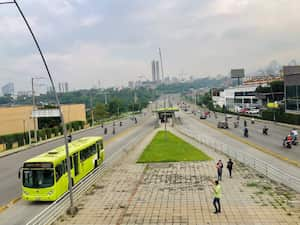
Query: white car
[[253, 111]]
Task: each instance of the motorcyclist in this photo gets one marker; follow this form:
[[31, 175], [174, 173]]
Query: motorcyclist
[[69, 137], [113, 131], [105, 130], [120, 123], [287, 141], [252, 121], [246, 132], [265, 130], [294, 134]]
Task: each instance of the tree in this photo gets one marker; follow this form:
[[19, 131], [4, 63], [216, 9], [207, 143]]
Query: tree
[[115, 106], [100, 111]]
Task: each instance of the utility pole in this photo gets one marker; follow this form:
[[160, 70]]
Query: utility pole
[[92, 111], [34, 108], [72, 208]]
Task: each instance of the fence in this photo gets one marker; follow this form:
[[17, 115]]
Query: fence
[[57, 208], [260, 166]]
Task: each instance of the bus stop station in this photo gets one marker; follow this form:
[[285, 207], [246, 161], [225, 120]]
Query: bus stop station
[[163, 114]]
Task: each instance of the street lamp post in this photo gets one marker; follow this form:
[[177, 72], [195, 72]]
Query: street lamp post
[[72, 209]]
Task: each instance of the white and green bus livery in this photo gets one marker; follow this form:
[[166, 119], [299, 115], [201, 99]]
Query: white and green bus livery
[[45, 177]]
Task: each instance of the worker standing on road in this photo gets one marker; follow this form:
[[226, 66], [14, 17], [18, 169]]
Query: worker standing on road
[[229, 167], [219, 169], [217, 197]]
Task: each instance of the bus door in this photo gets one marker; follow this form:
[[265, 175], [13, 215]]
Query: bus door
[[98, 151], [76, 164]]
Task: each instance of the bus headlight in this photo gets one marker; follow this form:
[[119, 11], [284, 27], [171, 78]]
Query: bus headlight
[[25, 193], [50, 192]]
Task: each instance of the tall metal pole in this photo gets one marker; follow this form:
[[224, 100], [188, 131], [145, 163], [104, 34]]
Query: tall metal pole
[[161, 65], [34, 108], [72, 209], [92, 111]]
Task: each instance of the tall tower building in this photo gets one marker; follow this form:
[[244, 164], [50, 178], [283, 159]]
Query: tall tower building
[[157, 70], [153, 71]]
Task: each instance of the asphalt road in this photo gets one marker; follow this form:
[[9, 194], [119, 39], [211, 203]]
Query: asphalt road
[[23, 211], [201, 130], [10, 186], [273, 141]]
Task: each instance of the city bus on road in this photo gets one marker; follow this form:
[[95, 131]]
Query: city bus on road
[[45, 177]]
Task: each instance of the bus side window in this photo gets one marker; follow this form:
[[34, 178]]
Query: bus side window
[[58, 171]]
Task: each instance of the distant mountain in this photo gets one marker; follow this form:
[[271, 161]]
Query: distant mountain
[[273, 68]]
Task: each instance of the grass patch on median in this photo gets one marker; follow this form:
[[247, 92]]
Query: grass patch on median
[[166, 147]]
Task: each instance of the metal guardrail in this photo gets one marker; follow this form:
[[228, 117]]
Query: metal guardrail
[[259, 165], [59, 207]]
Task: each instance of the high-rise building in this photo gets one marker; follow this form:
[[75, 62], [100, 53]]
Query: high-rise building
[[66, 87], [8, 89], [153, 71], [157, 70]]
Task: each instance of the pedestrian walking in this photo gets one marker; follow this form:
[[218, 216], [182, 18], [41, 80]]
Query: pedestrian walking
[[217, 197], [219, 169], [245, 123], [229, 167]]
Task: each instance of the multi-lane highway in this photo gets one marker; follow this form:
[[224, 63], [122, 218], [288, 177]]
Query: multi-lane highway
[[200, 129], [272, 141], [10, 187]]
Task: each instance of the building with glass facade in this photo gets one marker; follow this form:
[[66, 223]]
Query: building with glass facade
[[292, 88]]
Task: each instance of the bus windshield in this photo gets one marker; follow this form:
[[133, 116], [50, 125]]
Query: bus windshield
[[38, 178]]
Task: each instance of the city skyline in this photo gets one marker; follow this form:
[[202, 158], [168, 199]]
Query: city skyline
[[113, 41]]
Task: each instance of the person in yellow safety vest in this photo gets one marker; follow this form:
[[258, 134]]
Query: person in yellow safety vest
[[217, 197]]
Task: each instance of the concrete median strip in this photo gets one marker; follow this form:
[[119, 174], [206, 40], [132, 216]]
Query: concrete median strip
[[258, 147]]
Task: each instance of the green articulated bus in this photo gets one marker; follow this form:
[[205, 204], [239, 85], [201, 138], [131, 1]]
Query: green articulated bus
[[45, 177]]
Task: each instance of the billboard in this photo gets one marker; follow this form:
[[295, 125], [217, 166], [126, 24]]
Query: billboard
[[237, 73]]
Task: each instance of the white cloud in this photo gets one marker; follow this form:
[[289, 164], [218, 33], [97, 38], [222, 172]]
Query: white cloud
[[90, 21]]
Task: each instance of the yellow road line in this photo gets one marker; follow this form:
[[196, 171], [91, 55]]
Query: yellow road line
[[119, 135], [11, 202], [253, 145], [2, 208]]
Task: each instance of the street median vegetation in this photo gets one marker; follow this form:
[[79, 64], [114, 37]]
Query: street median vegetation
[[166, 147]]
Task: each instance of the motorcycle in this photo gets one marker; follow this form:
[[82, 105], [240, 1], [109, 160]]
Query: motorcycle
[[120, 123], [287, 144], [265, 131], [246, 134], [295, 140]]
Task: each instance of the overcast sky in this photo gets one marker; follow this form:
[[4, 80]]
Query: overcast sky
[[115, 40]]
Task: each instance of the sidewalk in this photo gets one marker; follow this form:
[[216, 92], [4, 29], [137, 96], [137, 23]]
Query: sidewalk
[[180, 193]]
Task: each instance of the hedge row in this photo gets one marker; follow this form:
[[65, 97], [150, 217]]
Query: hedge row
[[42, 134], [282, 117]]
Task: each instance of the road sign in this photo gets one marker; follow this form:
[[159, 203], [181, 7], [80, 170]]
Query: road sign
[[45, 113], [237, 73]]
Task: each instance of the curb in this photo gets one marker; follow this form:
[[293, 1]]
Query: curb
[[26, 147], [251, 144], [118, 135]]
